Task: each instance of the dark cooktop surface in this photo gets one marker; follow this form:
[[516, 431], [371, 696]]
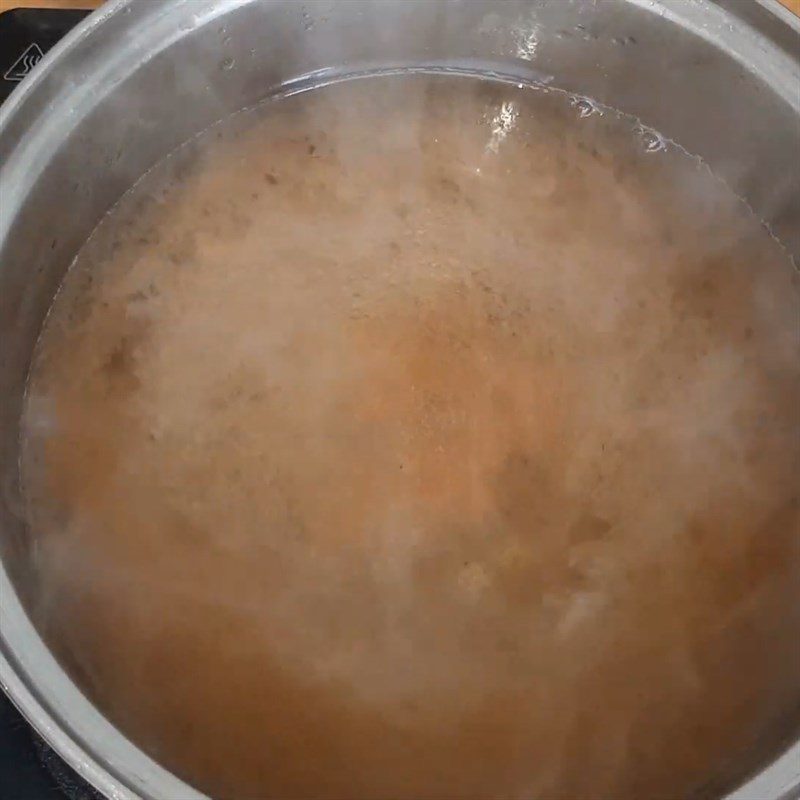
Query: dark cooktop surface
[[26, 34], [29, 769]]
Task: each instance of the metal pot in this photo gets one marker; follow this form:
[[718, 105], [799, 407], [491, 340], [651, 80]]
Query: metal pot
[[136, 79]]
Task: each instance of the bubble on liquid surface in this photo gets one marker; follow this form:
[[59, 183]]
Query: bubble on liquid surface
[[585, 107], [652, 140]]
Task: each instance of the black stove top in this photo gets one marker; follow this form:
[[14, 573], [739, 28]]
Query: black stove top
[[26, 34], [29, 769]]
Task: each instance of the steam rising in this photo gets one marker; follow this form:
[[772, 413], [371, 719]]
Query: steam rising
[[426, 438]]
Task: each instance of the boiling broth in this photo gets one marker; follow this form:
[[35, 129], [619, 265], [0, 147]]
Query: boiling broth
[[426, 437]]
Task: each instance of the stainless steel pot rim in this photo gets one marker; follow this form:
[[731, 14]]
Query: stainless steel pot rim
[[125, 772]]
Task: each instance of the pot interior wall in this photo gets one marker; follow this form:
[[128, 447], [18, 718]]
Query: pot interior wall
[[151, 75]]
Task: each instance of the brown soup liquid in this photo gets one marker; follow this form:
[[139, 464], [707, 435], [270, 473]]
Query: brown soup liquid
[[424, 438]]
